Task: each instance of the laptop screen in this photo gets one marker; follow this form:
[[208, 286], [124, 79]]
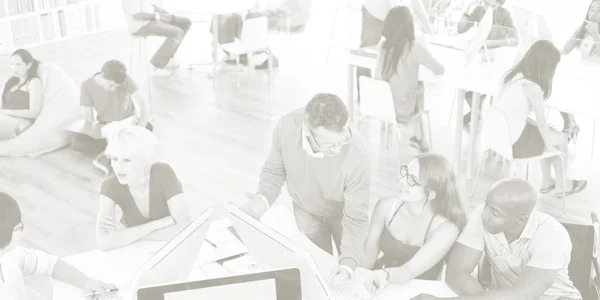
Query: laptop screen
[[260, 289], [282, 284]]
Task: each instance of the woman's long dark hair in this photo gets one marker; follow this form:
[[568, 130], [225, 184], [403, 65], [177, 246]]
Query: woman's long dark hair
[[32, 72], [437, 175], [538, 65], [399, 34], [581, 32]]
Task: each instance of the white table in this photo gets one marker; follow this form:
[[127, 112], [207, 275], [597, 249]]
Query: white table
[[118, 265], [479, 78]]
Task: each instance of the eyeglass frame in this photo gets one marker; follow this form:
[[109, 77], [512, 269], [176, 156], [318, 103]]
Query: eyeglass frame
[[333, 146], [19, 227], [411, 179]]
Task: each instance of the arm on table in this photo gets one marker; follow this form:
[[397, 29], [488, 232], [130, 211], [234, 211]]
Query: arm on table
[[371, 249], [121, 236], [180, 212], [468, 20], [424, 57], [512, 38], [355, 222], [432, 252], [465, 255], [35, 102]]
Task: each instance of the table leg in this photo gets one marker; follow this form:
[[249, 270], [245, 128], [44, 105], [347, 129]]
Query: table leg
[[460, 96], [473, 135], [351, 93]]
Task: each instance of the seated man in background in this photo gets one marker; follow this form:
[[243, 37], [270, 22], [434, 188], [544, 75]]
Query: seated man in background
[[148, 192], [503, 33], [528, 251], [148, 18], [17, 263], [291, 15], [109, 96], [322, 158]]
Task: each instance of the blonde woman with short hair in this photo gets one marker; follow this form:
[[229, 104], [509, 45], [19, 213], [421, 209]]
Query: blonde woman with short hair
[[147, 191]]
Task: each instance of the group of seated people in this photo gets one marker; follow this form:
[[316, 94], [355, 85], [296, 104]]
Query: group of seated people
[[522, 91], [321, 157], [418, 229]]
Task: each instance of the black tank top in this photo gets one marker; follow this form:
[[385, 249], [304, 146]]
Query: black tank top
[[396, 253]]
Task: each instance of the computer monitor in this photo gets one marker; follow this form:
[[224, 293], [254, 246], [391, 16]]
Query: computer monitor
[[281, 284], [175, 260], [479, 38], [269, 248]]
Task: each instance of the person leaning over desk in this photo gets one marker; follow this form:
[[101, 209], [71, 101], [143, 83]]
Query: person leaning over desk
[[587, 39], [503, 33], [18, 263], [416, 228], [528, 251], [322, 158], [148, 192]]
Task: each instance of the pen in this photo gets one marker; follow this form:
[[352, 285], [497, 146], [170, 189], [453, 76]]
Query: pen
[[211, 243], [92, 294]]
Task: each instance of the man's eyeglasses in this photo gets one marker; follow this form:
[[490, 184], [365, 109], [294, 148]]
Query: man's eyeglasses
[[19, 227], [410, 179], [326, 146]]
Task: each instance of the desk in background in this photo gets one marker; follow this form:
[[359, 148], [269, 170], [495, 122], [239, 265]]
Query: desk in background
[[480, 78]]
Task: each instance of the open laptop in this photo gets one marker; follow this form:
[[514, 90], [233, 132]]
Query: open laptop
[[531, 26], [282, 284], [271, 249], [171, 263]]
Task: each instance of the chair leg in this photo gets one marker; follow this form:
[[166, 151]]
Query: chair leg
[[563, 195], [527, 172], [478, 174], [452, 109], [429, 130]]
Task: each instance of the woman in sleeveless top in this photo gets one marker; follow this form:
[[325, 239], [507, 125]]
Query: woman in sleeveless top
[[398, 64], [587, 39], [525, 88], [21, 97], [147, 192], [415, 229]]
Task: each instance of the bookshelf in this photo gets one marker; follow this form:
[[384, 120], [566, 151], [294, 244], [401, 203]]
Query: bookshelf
[[29, 23]]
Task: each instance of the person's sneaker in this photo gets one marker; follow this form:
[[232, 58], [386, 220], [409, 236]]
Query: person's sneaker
[[102, 163], [162, 72], [173, 63], [265, 65]]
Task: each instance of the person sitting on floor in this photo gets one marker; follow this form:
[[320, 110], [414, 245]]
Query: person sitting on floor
[[291, 15], [148, 18], [22, 98], [17, 263], [416, 228], [503, 34], [400, 57], [148, 192], [109, 96], [528, 251]]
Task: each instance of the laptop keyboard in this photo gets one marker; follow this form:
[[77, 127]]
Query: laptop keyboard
[[344, 292]]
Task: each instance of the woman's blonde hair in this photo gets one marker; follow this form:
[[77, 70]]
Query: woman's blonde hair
[[129, 142], [436, 174]]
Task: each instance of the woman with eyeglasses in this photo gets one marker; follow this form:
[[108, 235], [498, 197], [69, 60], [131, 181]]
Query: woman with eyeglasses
[[18, 263], [398, 64], [416, 228]]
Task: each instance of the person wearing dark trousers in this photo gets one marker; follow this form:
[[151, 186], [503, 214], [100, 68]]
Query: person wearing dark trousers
[[147, 18], [290, 16]]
